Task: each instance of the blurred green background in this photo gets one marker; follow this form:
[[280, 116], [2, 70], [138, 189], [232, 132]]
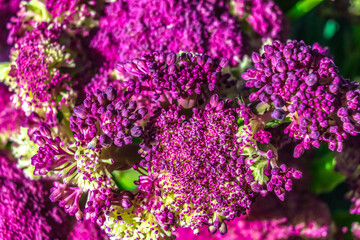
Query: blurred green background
[[335, 24]]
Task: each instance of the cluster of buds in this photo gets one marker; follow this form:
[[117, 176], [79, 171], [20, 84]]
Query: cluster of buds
[[187, 78], [117, 120], [298, 84], [83, 168], [75, 17], [264, 16], [202, 170], [35, 74], [202, 162], [25, 210], [261, 155], [195, 26]]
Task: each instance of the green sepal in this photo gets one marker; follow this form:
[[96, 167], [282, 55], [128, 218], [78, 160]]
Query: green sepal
[[258, 171]]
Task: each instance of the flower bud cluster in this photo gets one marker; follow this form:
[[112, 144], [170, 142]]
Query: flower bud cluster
[[301, 83]]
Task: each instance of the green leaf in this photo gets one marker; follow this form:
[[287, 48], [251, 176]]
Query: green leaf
[[4, 71], [125, 179], [324, 177], [240, 122], [302, 7], [331, 27], [39, 8], [258, 169], [137, 140], [276, 123]]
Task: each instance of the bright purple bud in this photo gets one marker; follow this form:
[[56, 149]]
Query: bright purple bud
[[311, 79], [110, 94], [81, 111], [45, 131], [224, 63], [142, 112], [281, 66], [214, 101], [136, 131], [126, 203], [120, 67], [297, 174], [279, 102], [256, 187], [128, 140], [132, 105], [105, 140], [255, 57], [298, 151], [170, 58]]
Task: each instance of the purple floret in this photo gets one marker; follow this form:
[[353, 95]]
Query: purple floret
[[25, 212], [10, 117], [117, 119], [200, 157], [264, 16], [133, 28], [167, 77], [87, 230], [298, 81]]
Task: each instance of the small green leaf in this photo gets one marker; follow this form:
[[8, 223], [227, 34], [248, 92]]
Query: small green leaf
[[60, 116], [302, 7], [137, 140], [39, 8], [258, 169], [125, 179], [276, 123], [331, 27], [240, 122], [4, 71]]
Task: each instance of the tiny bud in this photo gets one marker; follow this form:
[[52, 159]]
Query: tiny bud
[[212, 229], [214, 101], [126, 203], [255, 57], [120, 67], [132, 105], [119, 105], [128, 140], [297, 174], [224, 62], [105, 140], [142, 112], [311, 79], [136, 131], [223, 228], [110, 94], [281, 66], [298, 151], [45, 131], [81, 111], [170, 58]]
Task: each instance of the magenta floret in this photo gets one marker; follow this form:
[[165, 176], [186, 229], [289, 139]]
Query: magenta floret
[[168, 77], [301, 83], [132, 29], [25, 213]]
